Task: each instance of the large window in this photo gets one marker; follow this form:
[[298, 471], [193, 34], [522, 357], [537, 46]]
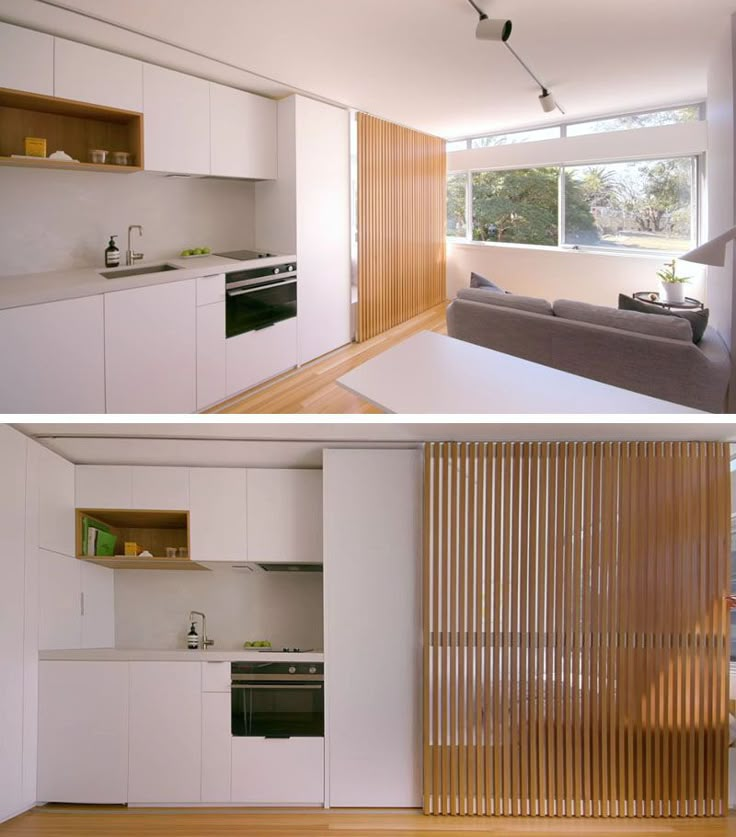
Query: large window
[[654, 119], [516, 207], [644, 206], [631, 206]]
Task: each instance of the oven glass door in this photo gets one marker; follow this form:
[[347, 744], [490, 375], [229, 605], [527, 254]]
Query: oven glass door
[[278, 710], [250, 309]]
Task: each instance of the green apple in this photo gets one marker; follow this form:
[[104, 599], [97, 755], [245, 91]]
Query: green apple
[[185, 253], [198, 251], [247, 645], [207, 250]]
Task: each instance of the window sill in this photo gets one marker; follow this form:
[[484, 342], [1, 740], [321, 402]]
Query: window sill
[[588, 251]]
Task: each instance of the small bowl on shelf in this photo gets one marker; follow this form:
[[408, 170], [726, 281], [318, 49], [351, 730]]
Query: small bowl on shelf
[[97, 155], [121, 158]]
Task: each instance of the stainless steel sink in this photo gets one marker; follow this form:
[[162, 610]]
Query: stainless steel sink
[[137, 271]]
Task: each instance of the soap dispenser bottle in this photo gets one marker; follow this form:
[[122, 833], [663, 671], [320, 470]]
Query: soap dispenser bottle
[[193, 638], [112, 253]]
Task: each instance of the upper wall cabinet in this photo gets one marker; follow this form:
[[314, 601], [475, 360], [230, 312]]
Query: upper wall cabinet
[[218, 514], [285, 516], [177, 121], [56, 504], [26, 60], [87, 74], [243, 134]]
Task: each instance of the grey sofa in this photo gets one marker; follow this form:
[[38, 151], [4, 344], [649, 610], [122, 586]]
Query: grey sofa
[[654, 356]]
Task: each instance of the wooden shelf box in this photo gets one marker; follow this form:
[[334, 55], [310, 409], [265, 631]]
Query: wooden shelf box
[[73, 127], [152, 530]]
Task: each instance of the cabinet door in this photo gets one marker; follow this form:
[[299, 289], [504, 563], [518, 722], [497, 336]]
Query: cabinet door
[[83, 732], [278, 771], [243, 134], [165, 742], [216, 747], [12, 587], [150, 349], [211, 355], [87, 74], [58, 357], [56, 503], [160, 488], [98, 606], [177, 121], [323, 227], [217, 517], [256, 356], [103, 486], [372, 583], [26, 60], [285, 516], [59, 601]]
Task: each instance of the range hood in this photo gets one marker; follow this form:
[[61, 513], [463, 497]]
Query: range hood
[[289, 568]]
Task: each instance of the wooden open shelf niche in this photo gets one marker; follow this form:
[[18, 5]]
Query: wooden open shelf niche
[[153, 530], [73, 127]]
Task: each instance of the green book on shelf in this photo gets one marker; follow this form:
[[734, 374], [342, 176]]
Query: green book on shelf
[[88, 548], [105, 544]]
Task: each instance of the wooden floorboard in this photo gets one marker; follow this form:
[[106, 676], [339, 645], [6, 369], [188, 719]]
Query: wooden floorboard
[[86, 821], [314, 387]]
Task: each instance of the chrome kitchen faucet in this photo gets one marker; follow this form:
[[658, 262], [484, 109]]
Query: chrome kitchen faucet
[[206, 643], [130, 255]]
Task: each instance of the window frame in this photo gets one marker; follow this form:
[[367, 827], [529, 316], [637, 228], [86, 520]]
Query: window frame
[[698, 174]]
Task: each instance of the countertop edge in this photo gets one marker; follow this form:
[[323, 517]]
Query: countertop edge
[[174, 655]]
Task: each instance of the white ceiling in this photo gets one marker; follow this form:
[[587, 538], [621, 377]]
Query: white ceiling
[[290, 444], [417, 62]]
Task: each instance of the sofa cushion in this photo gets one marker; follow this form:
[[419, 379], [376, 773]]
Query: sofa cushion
[[698, 320], [583, 312], [522, 303], [478, 281]]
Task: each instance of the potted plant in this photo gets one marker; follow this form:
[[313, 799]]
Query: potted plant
[[673, 286]]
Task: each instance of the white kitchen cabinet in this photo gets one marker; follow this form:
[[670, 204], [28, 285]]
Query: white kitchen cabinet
[[150, 349], [372, 586], [56, 503], [83, 732], [13, 449], [160, 488], [211, 289], [87, 74], [285, 516], [288, 771], [26, 60], [60, 601], [103, 486], [98, 606], [217, 516], [57, 351], [165, 732], [211, 355], [256, 356], [216, 677], [216, 746], [177, 121], [243, 134]]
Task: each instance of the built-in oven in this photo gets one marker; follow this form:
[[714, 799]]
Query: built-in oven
[[277, 700], [259, 297]]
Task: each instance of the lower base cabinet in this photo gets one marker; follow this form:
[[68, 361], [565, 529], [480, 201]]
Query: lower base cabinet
[[288, 771], [216, 746], [256, 356], [83, 732]]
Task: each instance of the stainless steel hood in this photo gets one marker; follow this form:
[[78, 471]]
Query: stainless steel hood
[[290, 568]]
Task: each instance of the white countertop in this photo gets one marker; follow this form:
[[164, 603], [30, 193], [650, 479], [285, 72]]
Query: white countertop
[[182, 655], [55, 285]]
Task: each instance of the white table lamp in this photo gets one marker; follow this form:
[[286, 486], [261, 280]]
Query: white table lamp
[[713, 252]]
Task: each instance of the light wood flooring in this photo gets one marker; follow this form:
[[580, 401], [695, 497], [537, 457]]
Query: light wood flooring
[[89, 821], [314, 387]]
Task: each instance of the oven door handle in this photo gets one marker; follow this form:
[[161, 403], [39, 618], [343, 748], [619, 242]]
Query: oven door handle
[[261, 288], [262, 282], [267, 686]]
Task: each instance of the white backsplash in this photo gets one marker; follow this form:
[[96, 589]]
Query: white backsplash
[[55, 220], [151, 608]]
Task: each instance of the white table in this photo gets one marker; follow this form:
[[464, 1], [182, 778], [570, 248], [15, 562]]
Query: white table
[[431, 373]]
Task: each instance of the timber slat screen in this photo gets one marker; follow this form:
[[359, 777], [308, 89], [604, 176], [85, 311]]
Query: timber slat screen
[[402, 194], [575, 629]]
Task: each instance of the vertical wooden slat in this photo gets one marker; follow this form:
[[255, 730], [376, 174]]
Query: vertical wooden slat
[[402, 194], [576, 633]]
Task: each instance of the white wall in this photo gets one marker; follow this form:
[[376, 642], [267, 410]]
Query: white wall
[[559, 274], [720, 176], [57, 220], [151, 608]]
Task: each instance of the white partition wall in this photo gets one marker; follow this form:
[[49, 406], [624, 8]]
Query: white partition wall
[[372, 586]]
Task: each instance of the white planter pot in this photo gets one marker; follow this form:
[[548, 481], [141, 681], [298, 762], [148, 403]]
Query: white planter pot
[[673, 291]]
